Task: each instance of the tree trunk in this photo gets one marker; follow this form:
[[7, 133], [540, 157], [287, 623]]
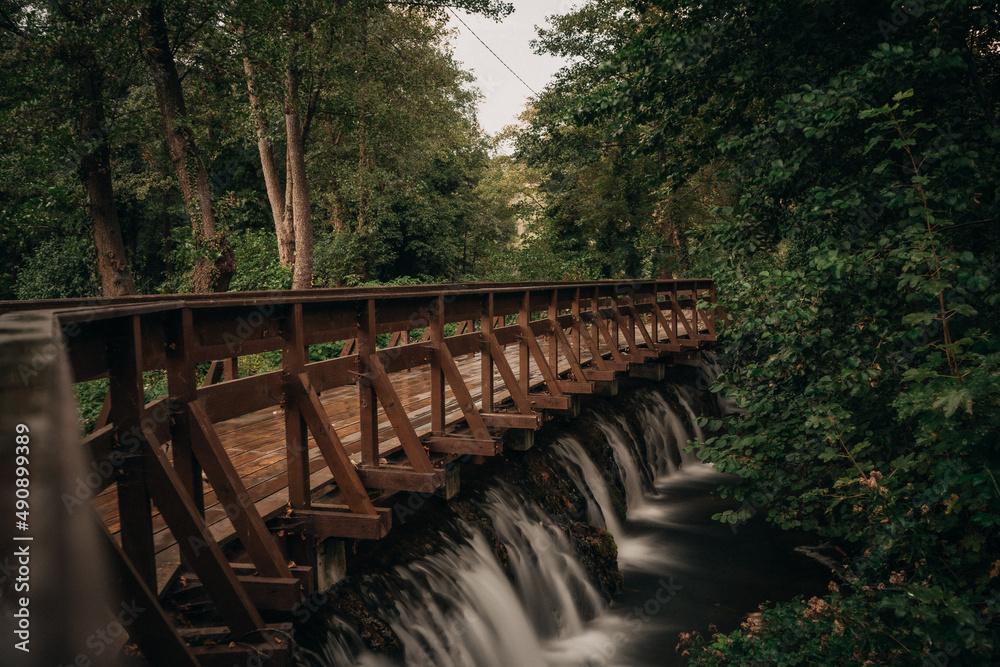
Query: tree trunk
[[302, 273], [282, 224], [191, 172], [95, 171], [289, 217]]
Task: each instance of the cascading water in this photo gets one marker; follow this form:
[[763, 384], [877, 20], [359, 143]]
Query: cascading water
[[457, 608], [461, 607], [589, 481], [626, 461], [549, 579]]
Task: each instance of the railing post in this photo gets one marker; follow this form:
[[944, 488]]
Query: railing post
[[182, 387], [673, 309], [595, 308], [368, 402], [553, 341], [577, 344], [127, 413], [524, 359], [437, 373], [293, 360], [486, 325]]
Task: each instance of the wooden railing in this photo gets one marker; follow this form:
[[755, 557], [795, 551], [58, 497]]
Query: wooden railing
[[570, 339]]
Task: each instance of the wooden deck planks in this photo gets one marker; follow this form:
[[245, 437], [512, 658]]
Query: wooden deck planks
[[255, 443]]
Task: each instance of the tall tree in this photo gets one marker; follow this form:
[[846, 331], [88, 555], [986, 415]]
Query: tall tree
[[77, 36], [192, 174]]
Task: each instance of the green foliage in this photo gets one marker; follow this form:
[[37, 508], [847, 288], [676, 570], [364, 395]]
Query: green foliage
[[257, 266], [843, 158], [398, 169], [59, 268]]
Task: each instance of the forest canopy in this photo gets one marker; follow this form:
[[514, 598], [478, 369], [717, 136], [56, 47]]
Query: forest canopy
[[165, 146], [833, 166]]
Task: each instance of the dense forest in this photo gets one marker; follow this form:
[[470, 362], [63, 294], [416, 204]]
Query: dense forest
[[832, 165]]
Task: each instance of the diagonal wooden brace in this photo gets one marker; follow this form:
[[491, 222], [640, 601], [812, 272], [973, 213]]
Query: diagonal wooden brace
[[329, 444], [152, 629], [667, 327], [234, 498], [408, 438], [567, 349], [679, 312], [551, 381], [462, 395], [647, 339], [196, 542], [602, 326], [624, 327], [597, 359], [509, 378]]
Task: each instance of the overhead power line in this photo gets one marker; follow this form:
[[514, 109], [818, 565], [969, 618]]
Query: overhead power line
[[491, 51]]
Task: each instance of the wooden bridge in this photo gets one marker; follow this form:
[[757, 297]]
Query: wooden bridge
[[238, 484]]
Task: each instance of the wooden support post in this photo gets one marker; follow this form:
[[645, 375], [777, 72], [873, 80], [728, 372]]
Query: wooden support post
[[182, 388], [524, 360], [486, 354], [577, 347], [553, 341], [366, 391], [437, 374], [234, 498], [152, 629], [329, 444], [196, 542], [127, 413], [293, 360], [595, 309]]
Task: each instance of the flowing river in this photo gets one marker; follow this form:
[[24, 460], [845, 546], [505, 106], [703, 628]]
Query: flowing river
[[682, 571]]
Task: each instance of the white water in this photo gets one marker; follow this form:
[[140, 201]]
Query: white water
[[551, 583], [459, 608], [590, 482], [624, 457]]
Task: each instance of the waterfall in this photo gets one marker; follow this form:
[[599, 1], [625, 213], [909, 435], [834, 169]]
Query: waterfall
[[549, 580], [343, 646], [590, 482], [507, 588], [458, 607], [664, 432], [625, 459]]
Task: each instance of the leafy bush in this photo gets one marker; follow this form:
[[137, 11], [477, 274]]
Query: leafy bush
[[60, 268], [257, 265]]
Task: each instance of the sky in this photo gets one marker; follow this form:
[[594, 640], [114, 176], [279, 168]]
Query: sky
[[504, 95]]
